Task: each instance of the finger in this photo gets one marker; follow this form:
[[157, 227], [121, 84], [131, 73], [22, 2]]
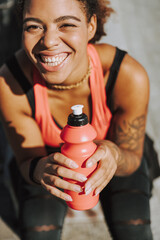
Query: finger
[[103, 184], [101, 175], [96, 157], [61, 171], [56, 192], [63, 160], [61, 183], [94, 181]]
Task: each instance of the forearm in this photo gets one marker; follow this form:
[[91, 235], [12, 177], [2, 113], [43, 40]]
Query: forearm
[[127, 162], [24, 168], [29, 170], [128, 140]]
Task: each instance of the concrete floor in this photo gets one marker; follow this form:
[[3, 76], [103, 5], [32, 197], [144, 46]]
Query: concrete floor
[[135, 28]]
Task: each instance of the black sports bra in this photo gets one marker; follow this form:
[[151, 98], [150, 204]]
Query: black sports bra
[[15, 69]]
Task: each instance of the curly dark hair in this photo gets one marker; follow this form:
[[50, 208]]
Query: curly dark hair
[[100, 8]]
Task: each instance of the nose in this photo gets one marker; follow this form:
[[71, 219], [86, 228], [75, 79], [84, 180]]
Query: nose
[[50, 38]]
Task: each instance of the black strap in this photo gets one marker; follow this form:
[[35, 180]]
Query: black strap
[[18, 74], [32, 168], [113, 74]]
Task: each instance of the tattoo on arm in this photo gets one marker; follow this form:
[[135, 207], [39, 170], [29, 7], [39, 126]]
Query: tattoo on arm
[[130, 134], [129, 137]]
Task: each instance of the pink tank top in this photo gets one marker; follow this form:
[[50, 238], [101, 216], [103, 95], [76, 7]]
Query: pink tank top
[[101, 114]]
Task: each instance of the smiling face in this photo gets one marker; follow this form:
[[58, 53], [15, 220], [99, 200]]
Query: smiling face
[[55, 38]]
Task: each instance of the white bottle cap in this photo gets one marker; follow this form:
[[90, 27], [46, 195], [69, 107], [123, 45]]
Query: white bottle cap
[[77, 109]]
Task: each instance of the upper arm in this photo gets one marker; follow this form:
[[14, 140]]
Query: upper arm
[[22, 130], [130, 102]]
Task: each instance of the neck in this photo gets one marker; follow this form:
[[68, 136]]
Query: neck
[[71, 86]]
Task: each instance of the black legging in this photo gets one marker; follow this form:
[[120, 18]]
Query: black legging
[[125, 203]]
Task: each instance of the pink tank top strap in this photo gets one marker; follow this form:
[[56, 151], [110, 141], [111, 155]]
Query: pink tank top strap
[[50, 131], [101, 114]]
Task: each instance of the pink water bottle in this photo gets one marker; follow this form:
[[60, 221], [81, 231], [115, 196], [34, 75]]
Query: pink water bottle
[[78, 136]]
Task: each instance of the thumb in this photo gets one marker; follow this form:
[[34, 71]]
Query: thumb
[[96, 157]]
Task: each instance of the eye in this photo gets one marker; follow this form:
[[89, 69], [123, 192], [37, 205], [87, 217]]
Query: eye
[[67, 25], [32, 28]]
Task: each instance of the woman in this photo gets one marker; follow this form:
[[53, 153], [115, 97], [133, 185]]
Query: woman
[[63, 68]]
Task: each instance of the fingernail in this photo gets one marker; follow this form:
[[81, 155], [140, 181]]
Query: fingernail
[[88, 191], [78, 189], [68, 198], [87, 187], [97, 193], [82, 178], [74, 165], [90, 164]]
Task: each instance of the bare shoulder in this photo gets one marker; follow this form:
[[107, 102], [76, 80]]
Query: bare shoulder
[[106, 53], [11, 94], [132, 85], [16, 115]]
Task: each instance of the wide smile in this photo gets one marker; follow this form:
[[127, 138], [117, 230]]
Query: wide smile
[[52, 62]]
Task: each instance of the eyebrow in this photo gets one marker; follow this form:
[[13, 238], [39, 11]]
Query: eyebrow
[[66, 18], [32, 19], [57, 20]]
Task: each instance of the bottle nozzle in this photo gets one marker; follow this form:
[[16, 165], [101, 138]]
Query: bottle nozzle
[[77, 117], [77, 109]]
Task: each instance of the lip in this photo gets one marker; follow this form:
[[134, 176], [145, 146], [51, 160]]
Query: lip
[[48, 68], [50, 53]]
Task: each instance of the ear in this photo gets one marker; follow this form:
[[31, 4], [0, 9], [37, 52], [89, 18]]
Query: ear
[[92, 27]]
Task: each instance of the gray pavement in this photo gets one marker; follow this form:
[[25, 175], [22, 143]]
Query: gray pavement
[[135, 28]]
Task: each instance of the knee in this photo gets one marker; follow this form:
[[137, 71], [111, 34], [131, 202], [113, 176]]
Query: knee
[[133, 229], [42, 232]]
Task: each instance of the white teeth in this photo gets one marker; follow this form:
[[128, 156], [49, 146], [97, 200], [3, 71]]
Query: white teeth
[[53, 61]]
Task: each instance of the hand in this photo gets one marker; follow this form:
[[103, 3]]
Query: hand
[[50, 171], [106, 156]]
